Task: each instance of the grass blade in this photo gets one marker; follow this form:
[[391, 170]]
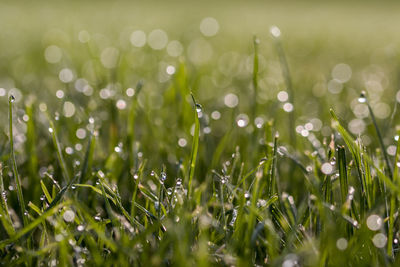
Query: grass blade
[[195, 145], [14, 164], [60, 157], [344, 185]]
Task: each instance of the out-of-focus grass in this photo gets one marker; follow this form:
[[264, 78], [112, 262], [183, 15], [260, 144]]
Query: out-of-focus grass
[[106, 158]]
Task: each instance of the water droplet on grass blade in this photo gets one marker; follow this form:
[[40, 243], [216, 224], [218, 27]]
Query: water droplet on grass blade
[[169, 191], [163, 177], [362, 98], [199, 110], [242, 120]]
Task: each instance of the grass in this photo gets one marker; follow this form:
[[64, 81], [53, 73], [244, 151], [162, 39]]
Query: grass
[[113, 154]]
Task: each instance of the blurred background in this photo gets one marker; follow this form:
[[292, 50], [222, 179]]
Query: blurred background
[[80, 62]]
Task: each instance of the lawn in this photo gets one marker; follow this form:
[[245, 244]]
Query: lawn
[[207, 133]]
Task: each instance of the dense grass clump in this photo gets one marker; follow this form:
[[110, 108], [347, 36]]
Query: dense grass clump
[[133, 156]]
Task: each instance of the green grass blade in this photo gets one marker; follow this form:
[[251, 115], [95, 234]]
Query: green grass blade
[[393, 202], [46, 192], [14, 164], [356, 152], [256, 42], [28, 228], [60, 157], [195, 145], [5, 214], [344, 184], [380, 139]]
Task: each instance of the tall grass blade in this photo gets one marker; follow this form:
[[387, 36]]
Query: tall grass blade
[[195, 145], [380, 139], [344, 184], [256, 42], [60, 157], [5, 214], [14, 164]]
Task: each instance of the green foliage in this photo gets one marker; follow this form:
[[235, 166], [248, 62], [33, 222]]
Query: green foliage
[[132, 156]]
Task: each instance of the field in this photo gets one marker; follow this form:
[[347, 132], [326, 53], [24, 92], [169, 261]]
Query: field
[[182, 133]]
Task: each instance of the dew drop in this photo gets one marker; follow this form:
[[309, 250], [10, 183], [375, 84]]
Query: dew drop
[[199, 108], [163, 177], [362, 98]]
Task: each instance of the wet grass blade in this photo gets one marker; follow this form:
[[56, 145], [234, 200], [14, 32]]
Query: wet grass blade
[[272, 186], [28, 228], [380, 139], [195, 145], [87, 162], [356, 153], [14, 164], [5, 214], [393, 201], [344, 184], [60, 157], [136, 180]]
